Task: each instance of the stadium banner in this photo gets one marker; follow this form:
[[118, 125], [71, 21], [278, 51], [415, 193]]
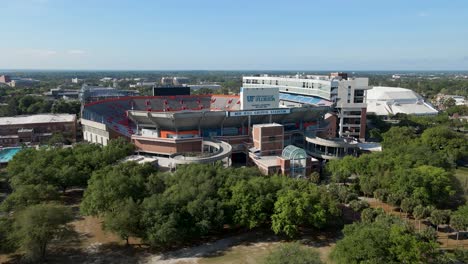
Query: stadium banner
[[261, 112], [259, 98]]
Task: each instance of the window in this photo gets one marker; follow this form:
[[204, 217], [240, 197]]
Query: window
[[358, 92], [358, 100]]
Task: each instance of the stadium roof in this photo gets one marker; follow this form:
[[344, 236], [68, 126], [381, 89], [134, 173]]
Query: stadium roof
[[37, 119], [393, 100], [383, 93]]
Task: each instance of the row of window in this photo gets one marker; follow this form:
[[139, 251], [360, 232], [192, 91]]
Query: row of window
[[286, 83]]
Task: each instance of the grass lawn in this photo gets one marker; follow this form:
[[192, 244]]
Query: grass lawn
[[253, 253]]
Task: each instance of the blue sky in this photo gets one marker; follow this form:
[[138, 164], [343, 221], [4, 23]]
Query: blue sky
[[234, 35]]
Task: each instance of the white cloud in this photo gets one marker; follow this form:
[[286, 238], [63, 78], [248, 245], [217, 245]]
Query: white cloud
[[76, 52], [40, 52]]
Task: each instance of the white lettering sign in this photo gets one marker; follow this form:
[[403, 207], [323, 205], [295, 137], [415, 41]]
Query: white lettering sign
[[259, 98], [261, 112]]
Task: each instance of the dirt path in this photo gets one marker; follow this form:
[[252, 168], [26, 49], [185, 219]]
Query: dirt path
[[194, 254], [247, 248]]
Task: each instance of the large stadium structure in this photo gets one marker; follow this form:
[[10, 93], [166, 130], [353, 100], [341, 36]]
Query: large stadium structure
[[185, 129]]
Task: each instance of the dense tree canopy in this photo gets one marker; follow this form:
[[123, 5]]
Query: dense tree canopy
[[411, 165], [197, 200], [386, 240], [37, 175]]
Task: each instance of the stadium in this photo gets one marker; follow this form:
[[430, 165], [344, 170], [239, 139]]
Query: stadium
[[254, 128]]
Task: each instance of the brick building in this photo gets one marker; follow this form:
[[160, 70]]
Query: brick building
[[35, 129]]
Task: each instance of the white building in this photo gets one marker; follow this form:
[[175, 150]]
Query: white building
[[386, 101], [347, 94]]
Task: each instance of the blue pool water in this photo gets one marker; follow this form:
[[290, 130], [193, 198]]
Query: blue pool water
[[7, 154]]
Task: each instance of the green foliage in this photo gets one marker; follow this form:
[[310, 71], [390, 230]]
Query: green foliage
[[315, 177], [458, 109], [254, 200], [57, 139], [301, 205], [358, 205], [449, 102], [410, 166], [29, 194], [110, 186], [124, 220], [427, 87], [398, 136], [33, 105], [5, 229], [189, 207], [368, 215], [439, 217], [428, 234], [200, 199], [408, 204], [386, 240], [36, 175], [293, 253], [341, 170], [69, 107], [451, 144], [37, 225], [459, 218], [458, 222]]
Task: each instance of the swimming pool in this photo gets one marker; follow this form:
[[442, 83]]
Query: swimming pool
[[6, 154]]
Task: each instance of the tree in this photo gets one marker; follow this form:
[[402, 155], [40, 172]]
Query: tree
[[341, 170], [459, 219], [449, 102], [452, 145], [428, 234], [458, 223], [293, 253], [124, 220], [190, 206], [112, 185], [6, 246], [37, 225], [419, 213], [408, 204], [386, 240], [57, 139], [397, 137], [438, 217], [358, 205], [301, 204], [27, 195], [368, 215], [428, 184], [294, 208], [315, 177], [253, 200]]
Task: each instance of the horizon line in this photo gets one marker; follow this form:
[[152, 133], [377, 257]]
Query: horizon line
[[239, 70]]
